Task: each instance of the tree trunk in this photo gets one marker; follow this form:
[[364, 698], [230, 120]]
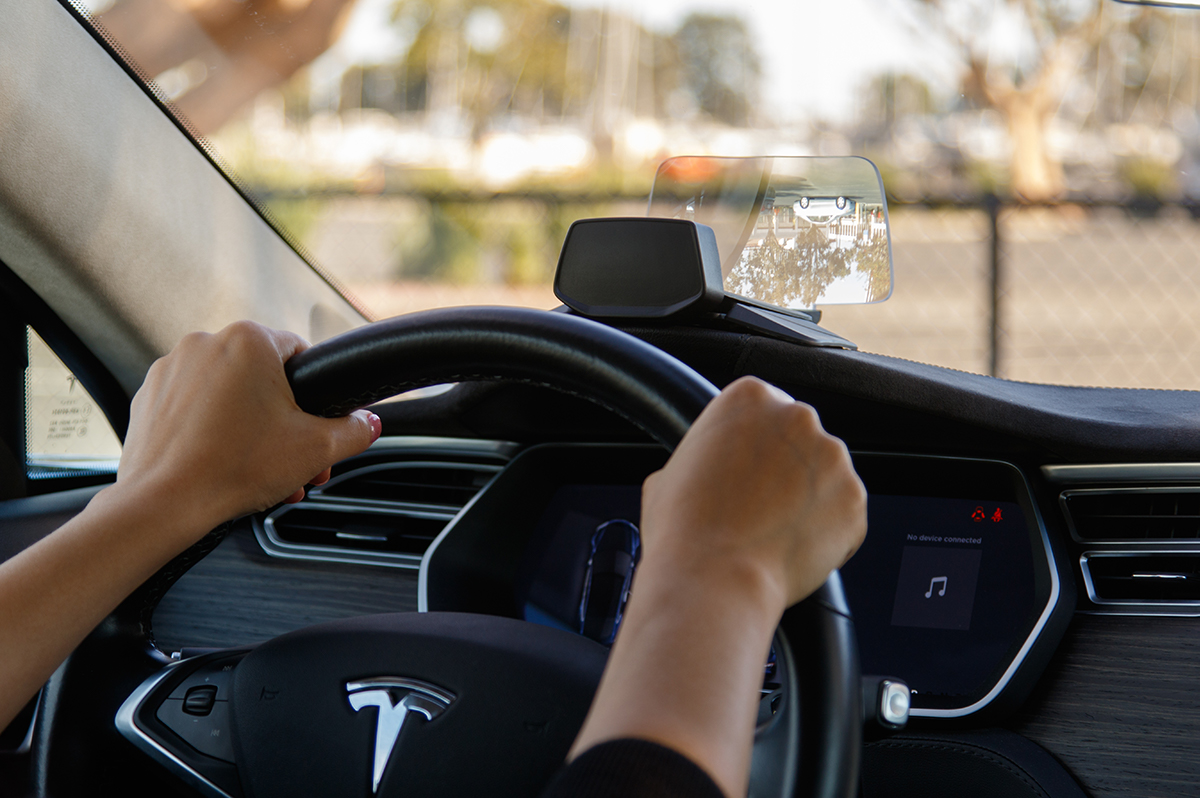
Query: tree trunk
[[1035, 175]]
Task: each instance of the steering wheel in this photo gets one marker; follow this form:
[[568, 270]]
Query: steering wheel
[[486, 705]]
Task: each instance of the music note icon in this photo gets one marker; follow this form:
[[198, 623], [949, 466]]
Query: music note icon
[[934, 581]]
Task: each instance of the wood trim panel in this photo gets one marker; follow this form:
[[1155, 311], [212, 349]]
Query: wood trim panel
[[1120, 706], [238, 596]]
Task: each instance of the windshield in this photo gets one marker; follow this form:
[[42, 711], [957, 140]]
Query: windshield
[[1040, 157]]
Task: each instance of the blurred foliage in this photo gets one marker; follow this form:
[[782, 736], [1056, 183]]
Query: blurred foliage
[[241, 154], [1148, 178], [890, 96], [601, 181], [1024, 87], [296, 216], [539, 59], [489, 57], [512, 241], [720, 65], [446, 249], [988, 178]]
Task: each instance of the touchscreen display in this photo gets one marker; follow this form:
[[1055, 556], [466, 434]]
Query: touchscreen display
[[944, 590], [551, 579]]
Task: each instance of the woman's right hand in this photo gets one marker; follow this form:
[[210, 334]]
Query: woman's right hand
[[757, 489]]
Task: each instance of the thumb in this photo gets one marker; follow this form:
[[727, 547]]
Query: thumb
[[352, 434]]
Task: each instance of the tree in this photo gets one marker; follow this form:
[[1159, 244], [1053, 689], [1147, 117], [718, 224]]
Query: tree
[[488, 57], [1025, 90], [795, 277], [874, 260], [890, 96], [720, 66]]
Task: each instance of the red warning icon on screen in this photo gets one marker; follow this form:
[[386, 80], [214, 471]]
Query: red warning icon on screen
[[979, 514], [996, 516]]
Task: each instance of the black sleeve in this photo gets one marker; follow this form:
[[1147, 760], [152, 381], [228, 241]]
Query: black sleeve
[[632, 769]]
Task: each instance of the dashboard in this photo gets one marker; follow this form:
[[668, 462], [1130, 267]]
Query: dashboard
[[522, 514], [1098, 678], [956, 590], [950, 592], [1079, 677]]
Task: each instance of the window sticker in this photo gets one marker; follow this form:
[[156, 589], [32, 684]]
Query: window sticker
[[65, 430]]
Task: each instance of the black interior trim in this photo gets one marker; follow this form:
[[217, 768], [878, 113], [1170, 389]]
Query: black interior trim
[[991, 763], [884, 402], [98, 380], [13, 362]]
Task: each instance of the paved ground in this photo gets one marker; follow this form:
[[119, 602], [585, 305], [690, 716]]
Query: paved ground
[[1088, 298]]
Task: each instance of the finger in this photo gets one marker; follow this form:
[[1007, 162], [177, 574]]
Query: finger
[[777, 392], [288, 344], [352, 434], [321, 479], [296, 497]]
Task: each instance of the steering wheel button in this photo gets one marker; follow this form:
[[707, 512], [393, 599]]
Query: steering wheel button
[[209, 734], [218, 675], [199, 700]]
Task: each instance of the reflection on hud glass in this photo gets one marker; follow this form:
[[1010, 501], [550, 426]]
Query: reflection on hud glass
[[793, 232]]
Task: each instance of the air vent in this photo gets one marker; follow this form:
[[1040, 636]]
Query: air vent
[[380, 514], [351, 527], [1133, 514], [420, 483], [1144, 578]]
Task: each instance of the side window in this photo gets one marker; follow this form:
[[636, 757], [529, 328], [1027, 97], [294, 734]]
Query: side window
[[66, 434]]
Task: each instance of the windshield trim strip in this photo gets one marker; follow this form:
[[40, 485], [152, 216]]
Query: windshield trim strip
[[1122, 472]]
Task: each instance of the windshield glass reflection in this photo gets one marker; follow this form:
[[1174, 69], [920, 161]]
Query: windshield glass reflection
[[793, 232]]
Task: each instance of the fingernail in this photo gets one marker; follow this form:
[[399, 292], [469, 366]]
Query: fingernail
[[376, 426]]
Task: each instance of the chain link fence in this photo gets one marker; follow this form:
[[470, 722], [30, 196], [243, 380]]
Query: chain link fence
[[1100, 295], [1104, 295]]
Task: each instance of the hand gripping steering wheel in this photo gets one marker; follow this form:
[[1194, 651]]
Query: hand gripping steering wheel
[[503, 698]]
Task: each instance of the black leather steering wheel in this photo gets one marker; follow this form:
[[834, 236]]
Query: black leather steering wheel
[[507, 696]]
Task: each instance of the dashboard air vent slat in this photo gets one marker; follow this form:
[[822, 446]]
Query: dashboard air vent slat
[[386, 513], [1134, 514], [362, 530], [1143, 577], [444, 486]]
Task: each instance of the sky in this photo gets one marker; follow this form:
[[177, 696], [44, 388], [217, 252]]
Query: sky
[[816, 53]]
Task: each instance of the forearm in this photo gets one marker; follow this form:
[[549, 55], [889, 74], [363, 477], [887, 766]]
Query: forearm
[[55, 592], [686, 670], [214, 433]]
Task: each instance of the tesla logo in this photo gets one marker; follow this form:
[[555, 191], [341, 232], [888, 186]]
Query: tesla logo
[[416, 697]]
